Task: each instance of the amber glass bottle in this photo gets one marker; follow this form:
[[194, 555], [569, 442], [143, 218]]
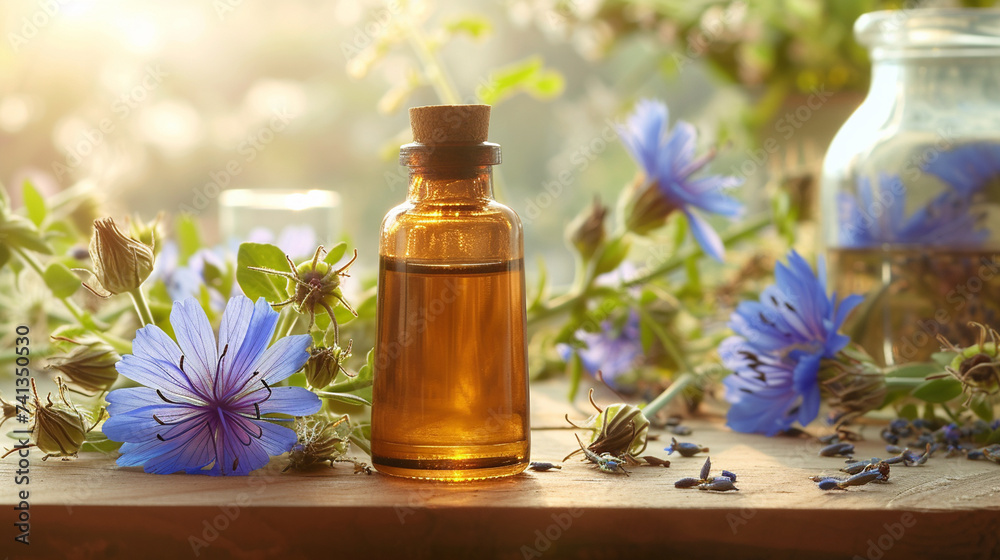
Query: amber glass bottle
[[451, 385]]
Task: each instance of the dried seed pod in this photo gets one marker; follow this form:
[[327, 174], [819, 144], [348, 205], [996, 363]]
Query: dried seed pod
[[861, 478], [687, 482], [542, 467], [59, 430]]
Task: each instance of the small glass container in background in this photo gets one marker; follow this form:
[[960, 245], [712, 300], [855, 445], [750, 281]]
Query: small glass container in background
[[911, 184], [294, 220]]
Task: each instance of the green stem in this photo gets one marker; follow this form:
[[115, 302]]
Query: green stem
[[350, 385], [433, 69], [573, 298], [283, 320], [141, 306], [675, 388], [362, 444], [120, 346], [903, 382]]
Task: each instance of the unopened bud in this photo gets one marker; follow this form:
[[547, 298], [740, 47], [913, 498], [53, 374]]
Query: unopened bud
[[646, 207], [121, 263], [89, 365], [586, 232], [325, 363], [60, 429]]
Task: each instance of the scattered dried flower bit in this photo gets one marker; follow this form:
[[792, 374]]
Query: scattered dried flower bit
[[706, 468], [685, 449], [858, 466], [891, 448], [606, 462], [730, 475], [992, 453], [889, 437], [655, 461], [837, 450], [542, 466], [314, 286], [687, 482], [829, 438], [719, 484], [828, 483], [861, 478], [680, 430]]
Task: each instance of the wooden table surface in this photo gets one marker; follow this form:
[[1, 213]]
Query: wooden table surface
[[88, 508]]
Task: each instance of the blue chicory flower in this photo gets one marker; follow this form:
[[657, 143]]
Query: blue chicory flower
[[206, 407], [969, 169], [668, 162], [612, 351], [948, 220], [779, 344]]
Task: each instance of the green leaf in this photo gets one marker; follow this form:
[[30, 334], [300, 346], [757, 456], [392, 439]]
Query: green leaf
[[528, 75], [257, 284], [540, 289], [4, 255], [612, 254], [944, 358], [34, 203], [344, 398], [18, 231], [575, 375], [475, 26], [188, 237], [909, 412], [938, 390], [919, 369], [335, 253], [982, 406], [60, 280]]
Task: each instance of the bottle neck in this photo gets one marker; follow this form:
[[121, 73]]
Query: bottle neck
[[450, 185]]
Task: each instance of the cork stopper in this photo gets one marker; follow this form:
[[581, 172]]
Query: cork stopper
[[450, 124]]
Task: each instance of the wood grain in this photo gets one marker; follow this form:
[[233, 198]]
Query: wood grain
[[948, 508]]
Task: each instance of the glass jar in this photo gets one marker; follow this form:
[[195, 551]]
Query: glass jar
[[450, 395], [911, 184]]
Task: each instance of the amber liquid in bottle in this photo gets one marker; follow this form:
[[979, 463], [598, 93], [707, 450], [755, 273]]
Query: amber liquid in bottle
[[450, 396]]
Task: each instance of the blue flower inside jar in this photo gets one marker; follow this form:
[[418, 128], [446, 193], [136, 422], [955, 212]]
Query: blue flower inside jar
[[911, 184]]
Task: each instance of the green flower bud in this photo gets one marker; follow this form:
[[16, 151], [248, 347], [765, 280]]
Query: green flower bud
[[313, 286], [586, 232], [325, 363], [147, 232], [121, 263], [59, 430], [977, 366], [89, 365]]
